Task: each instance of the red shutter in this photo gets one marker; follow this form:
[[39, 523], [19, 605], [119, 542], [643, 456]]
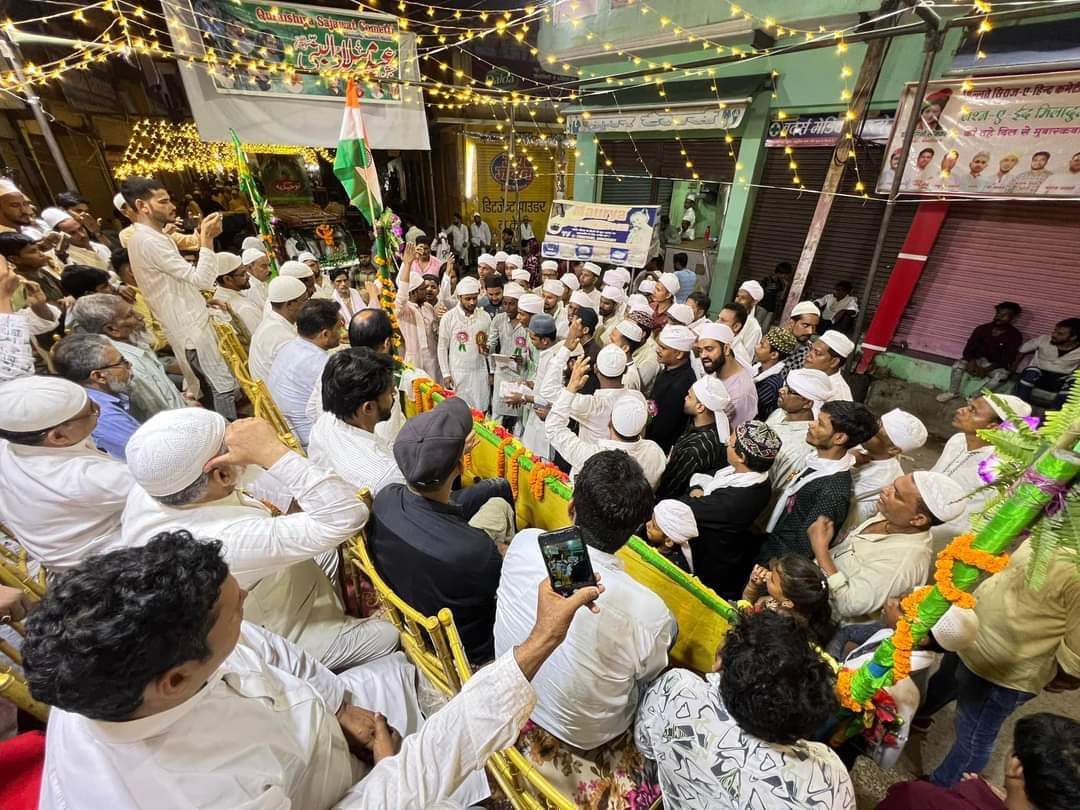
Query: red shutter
[[989, 252]]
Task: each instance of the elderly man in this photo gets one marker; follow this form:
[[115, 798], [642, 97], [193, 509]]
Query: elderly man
[[173, 289], [358, 393], [749, 295], [828, 354], [800, 400], [722, 356], [257, 264], [188, 466], [673, 349], [702, 448], [216, 712], [62, 496], [299, 270], [94, 363], [878, 463], [324, 290], [805, 317], [233, 283], [299, 363], [286, 297], [416, 317], [463, 346], [79, 248], [629, 413], [106, 314], [888, 555]]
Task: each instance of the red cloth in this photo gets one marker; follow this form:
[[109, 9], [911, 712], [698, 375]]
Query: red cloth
[[974, 794], [21, 761], [905, 275]]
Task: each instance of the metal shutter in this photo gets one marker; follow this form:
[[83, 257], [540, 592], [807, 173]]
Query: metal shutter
[[991, 251], [663, 160], [782, 217], [620, 190]]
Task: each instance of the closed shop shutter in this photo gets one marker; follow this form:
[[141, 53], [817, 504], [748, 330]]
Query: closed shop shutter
[[989, 252], [781, 219], [665, 162], [625, 190]]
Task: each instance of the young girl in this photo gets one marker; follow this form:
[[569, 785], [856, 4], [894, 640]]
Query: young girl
[[793, 584]]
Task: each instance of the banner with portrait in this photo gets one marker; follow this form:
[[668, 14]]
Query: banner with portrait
[[609, 234], [1013, 137]]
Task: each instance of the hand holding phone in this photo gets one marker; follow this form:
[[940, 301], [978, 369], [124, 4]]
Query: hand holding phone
[[567, 560]]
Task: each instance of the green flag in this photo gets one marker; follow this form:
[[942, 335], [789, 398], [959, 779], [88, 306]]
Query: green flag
[[354, 165]]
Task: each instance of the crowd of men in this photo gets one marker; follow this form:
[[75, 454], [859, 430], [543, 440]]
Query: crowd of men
[[193, 642]]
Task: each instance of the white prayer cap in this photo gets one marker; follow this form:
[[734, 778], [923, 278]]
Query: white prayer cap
[[169, 451], [307, 256], [689, 198], [629, 414], [589, 267], [513, 290], [252, 255], [486, 259], [638, 298], [8, 187], [549, 264], [570, 281], [631, 330], [1019, 408], [295, 269], [227, 262], [681, 313], [621, 274], [755, 290], [676, 520], [805, 308], [611, 361], [283, 289], [119, 202], [524, 276], [582, 300], [252, 243], [956, 628], [513, 260], [720, 332], [637, 306], [554, 287], [648, 286], [838, 342], [905, 430], [470, 285], [612, 278], [711, 393], [809, 383], [612, 293], [29, 404], [942, 496], [531, 303], [416, 281], [501, 256], [54, 216], [677, 337], [670, 281]]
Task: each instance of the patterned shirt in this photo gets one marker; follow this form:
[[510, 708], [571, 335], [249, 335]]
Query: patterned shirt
[[698, 450], [705, 760], [798, 357], [829, 496]]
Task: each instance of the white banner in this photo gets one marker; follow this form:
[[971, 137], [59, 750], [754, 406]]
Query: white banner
[[1015, 137], [595, 232], [656, 120]]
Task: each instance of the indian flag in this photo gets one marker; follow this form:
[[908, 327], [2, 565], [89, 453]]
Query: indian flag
[[354, 164]]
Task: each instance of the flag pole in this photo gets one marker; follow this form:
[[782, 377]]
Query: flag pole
[[260, 210]]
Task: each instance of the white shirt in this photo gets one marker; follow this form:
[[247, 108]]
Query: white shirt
[[211, 751], [1047, 357], [876, 567], [16, 356], [577, 450], [350, 307], [460, 358], [592, 412], [172, 289], [647, 365], [793, 448], [962, 466], [869, 480], [297, 368], [249, 313], [273, 333], [831, 306], [480, 235], [527, 232], [357, 456], [534, 435], [588, 690], [459, 237], [841, 391], [750, 335], [256, 291], [294, 598], [62, 503], [324, 288]]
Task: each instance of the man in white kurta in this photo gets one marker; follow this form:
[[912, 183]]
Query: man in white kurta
[[802, 396], [278, 326], [257, 264], [509, 338], [877, 464], [173, 290], [828, 354], [62, 498], [272, 556], [463, 347], [232, 285], [416, 317], [542, 329], [749, 294]]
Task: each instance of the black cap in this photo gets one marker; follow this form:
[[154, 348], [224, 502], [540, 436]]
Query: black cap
[[588, 317], [429, 445]]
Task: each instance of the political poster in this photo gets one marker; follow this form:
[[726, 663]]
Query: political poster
[[609, 234], [1011, 137], [295, 42]]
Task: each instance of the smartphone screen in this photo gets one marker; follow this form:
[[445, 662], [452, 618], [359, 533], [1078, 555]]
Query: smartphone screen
[[567, 560]]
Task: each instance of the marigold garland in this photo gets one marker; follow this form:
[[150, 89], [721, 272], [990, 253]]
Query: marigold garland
[[539, 474], [843, 691], [960, 550], [514, 472], [500, 456]]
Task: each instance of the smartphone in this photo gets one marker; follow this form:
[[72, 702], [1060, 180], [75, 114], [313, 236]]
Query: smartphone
[[567, 560]]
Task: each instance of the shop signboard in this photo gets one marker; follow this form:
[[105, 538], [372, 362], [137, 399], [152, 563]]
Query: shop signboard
[[610, 234], [823, 129], [675, 119], [1010, 137]]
